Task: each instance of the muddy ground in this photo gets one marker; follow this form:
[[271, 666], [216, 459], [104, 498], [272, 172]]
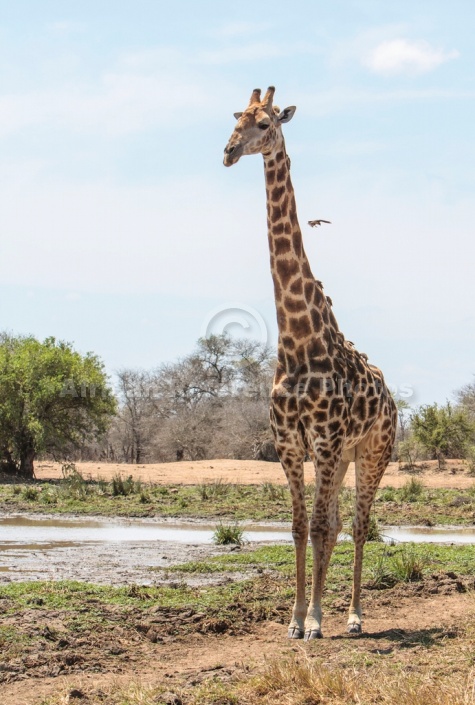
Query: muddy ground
[[411, 627], [123, 563]]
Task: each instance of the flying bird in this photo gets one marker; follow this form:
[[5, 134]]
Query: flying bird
[[314, 223]]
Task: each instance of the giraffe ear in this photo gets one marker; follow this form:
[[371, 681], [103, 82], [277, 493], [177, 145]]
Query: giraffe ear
[[237, 115], [287, 114]]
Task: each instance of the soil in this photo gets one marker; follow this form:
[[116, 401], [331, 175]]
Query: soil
[[406, 625], [253, 472]]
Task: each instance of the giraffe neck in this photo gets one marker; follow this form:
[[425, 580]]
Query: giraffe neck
[[304, 317]]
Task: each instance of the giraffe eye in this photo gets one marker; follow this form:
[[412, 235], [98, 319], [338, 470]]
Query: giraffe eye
[[263, 125]]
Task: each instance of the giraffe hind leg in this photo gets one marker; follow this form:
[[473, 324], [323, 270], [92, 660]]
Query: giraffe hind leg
[[372, 459]]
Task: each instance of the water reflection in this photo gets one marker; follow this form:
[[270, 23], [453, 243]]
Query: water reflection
[[36, 533]]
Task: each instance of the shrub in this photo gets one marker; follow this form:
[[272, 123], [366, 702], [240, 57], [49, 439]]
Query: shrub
[[49, 496], [228, 533], [73, 484], [444, 431], [381, 575], [388, 494], [412, 490], [102, 485], [374, 532], [409, 451], [408, 565], [470, 460], [30, 494], [121, 487]]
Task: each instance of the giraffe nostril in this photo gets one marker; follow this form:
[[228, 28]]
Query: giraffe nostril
[[230, 149]]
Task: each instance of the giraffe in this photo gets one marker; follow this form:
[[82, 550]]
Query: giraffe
[[327, 401]]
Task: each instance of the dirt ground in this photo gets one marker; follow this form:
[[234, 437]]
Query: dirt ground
[[421, 627], [408, 626], [252, 472]]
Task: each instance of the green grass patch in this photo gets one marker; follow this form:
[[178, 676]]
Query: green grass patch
[[412, 504], [405, 561], [74, 597]]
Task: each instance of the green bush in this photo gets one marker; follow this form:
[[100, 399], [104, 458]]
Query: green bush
[[408, 565], [228, 533], [49, 496], [121, 487], [388, 494], [412, 490], [470, 460], [381, 575], [405, 564], [30, 494], [73, 485], [374, 532]]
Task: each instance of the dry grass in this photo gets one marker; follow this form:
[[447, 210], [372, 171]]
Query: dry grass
[[297, 680]]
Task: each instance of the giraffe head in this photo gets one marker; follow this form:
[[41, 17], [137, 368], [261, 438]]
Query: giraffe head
[[258, 128]]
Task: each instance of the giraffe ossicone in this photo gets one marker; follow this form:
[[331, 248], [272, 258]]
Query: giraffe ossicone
[[327, 401]]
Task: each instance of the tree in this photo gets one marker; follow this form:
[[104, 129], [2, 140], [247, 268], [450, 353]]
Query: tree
[[139, 412], [466, 398], [52, 398], [212, 403], [445, 432], [403, 409]]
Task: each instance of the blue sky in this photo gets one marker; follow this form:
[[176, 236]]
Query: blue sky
[[122, 231]]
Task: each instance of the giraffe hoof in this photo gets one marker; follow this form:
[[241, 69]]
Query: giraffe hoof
[[313, 634], [354, 628], [295, 633]]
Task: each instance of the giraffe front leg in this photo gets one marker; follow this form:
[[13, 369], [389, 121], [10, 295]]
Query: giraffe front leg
[[323, 534], [324, 529], [291, 451]]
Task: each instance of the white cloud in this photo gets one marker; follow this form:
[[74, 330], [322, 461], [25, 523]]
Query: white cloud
[[396, 56], [180, 237], [151, 88], [124, 99]]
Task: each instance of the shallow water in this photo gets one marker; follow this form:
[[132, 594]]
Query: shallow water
[[37, 533], [30, 532]]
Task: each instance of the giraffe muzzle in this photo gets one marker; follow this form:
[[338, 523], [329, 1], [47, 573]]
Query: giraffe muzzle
[[232, 153]]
